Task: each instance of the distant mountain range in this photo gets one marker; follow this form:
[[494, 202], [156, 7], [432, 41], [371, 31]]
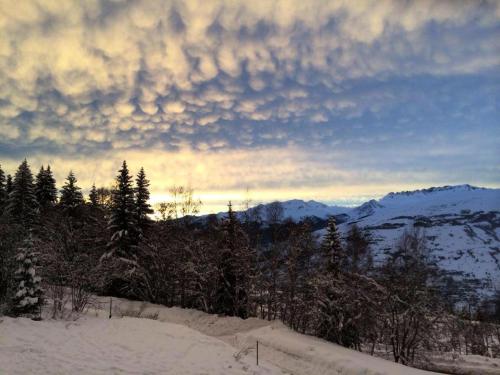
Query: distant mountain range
[[461, 224]]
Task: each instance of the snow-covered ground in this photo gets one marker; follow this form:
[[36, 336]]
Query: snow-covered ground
[[116, 346], [180, 341], [185, 341]]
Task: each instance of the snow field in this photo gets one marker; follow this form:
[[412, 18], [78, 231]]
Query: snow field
[[184, 341], [93, 345], [180, 341], [292, 352]]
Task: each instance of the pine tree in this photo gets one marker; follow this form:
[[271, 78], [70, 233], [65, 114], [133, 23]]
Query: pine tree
[[28, 298], [331, 248], [93, 196], [122, 223], [3, 190], [143, 208], [71, 195], [22, 205], [46, 191]]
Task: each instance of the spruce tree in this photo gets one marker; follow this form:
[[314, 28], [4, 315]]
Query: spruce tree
[[330, 284], [93, 196], [3, 190], [331, 248], [46, 192], [22, 205], [39, 183], [71, 194], [143, 208], [235, 269], [122, 222], [28, 298], [9, 185]]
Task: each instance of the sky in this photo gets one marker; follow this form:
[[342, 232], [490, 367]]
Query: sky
[[337, 101]]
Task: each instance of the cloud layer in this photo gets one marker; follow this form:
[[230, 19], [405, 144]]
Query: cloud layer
[[375, 87]]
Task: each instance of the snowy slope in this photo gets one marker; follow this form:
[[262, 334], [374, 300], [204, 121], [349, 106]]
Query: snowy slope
[[117, 346], [433, 201], [461, 223], [181, 341], [290, 351]]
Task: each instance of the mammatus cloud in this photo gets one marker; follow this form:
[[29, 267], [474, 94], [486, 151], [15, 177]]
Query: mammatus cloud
[[349, 79]]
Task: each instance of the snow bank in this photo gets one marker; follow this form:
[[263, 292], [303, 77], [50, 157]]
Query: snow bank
[[292, 352], [126, 345], [301, 354], [180, 341]]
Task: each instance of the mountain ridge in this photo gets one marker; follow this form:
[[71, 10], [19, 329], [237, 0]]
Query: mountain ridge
[[297, 209], [461, 225]]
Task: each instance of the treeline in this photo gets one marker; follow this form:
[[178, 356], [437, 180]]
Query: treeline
[[241, 265]]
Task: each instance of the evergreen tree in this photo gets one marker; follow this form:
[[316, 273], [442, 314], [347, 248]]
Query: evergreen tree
[[46, 191], [143, 208], [347, 299], [122, 223], [334, 312], [28, 298], [235, 269], [94, 201], [3, 190], [71, 194], [331, 248], [22, 204], [9, 185], [39, 182]]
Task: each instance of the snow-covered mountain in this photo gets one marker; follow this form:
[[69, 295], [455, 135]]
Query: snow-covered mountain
[[295, 209], [461, 224]]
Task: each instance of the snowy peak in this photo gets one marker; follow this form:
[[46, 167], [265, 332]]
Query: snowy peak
[[367, 208], [297, 209]]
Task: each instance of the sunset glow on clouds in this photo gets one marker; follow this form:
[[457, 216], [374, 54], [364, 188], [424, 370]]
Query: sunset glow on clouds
[[327, 100]]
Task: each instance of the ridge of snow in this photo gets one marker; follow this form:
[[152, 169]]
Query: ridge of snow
[[422, 201], [463, 187], [298, 209]]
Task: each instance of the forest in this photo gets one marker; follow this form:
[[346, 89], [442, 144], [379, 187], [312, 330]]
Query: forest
[[57, 244]]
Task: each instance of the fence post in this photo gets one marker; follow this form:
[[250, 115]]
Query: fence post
[[110, 306], [257, 352]]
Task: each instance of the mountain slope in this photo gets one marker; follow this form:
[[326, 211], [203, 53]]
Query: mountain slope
[[461, 224]]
